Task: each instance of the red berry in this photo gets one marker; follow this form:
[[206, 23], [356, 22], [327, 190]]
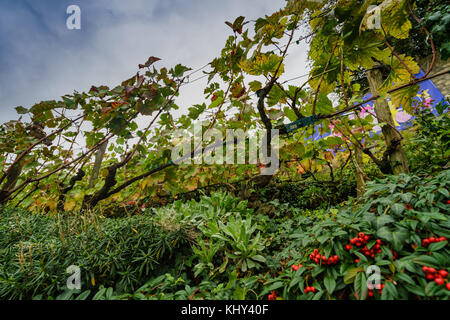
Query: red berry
[[353, 241], [378, 241], [316, 251], [313, 289], [361, 234], [425, 269], [370, 293], [356, 260], [448, 201], [336, 258], [429, 277], [425, 242], [366, 238], [439, 281], [448, 286], [432, 239], [442, 239], [443, 273], [431, 270], [358, 244], [408, 206], [377, 246], [348, 246]]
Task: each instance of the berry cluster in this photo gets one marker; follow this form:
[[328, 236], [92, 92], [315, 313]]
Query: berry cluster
[[371, 290], [317, 258], [358, 241], [375, 249], [438, 276], [361, 240], [272, 296], [430, 240], [380, 290], [310, 289], [295, 267]]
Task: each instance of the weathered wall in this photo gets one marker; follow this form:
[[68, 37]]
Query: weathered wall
[[442, 82]]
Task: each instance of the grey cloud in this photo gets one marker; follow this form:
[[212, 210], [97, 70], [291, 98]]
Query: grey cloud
[[129, 32]]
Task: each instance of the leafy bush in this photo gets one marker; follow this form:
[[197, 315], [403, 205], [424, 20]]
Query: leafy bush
[[428, 150], [400, 216], [121, 253], [168, 287], [401, 211], [239, 241], [311, 195], [219, 205], [35, 251]]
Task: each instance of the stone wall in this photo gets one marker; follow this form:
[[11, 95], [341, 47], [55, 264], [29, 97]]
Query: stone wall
[[442, 82]]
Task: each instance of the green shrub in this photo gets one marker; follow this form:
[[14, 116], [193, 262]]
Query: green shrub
[[428, 149], [400, 211], [35, 251], [397, 214], [117, 253], [311, 194], [240, 242]]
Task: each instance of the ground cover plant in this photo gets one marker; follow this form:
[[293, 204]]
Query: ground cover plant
[[218, 248]]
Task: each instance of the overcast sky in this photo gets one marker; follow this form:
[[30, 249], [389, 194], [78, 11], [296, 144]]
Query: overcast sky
[[40, 59]]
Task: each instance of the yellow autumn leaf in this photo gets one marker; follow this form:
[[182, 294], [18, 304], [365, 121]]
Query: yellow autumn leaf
[[395, 12], [263, 64], [399, 71], [69, 205], [52, 204], [404, 97]]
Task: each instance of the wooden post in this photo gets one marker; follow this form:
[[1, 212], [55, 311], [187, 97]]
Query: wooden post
[[392, 138]]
